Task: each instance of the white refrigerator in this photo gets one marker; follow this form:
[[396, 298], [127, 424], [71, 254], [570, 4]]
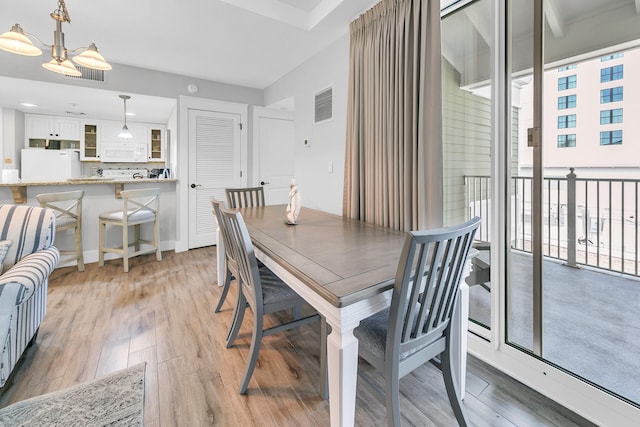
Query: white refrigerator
[[50, 165]]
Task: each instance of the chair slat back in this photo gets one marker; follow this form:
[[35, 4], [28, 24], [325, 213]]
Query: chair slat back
[[245, 256], [229, 247], [143, 200], [426, 287], [244, 197], [66, 204]]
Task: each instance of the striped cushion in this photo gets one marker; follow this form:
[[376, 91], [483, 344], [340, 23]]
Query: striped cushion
[[30, 228], [4, 248], [30, 272]]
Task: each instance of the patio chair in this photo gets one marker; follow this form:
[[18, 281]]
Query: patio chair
[[480, 266], [417, 326], [259, 288], [244, 197]]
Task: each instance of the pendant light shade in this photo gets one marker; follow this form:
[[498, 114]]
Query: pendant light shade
[[91, 58], [125, 132], [15, 41], [64, 67]]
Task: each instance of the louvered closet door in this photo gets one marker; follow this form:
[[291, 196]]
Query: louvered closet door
[[214, 164]]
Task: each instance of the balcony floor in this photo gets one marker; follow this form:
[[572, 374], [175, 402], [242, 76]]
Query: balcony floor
[[591, 327]]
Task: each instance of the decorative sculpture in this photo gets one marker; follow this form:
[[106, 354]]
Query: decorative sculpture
[[293, 208]]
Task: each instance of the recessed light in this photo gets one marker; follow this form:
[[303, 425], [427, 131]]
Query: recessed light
[[131, 114], [28, 104]]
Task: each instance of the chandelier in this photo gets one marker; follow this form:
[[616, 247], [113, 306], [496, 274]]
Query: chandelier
[[16, 41]]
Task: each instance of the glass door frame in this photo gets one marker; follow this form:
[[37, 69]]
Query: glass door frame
[[587, 400]]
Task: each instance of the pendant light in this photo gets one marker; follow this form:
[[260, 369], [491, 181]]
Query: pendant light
[[125, 133], [17, 41]]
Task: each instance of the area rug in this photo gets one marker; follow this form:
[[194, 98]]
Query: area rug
[[114, 400]]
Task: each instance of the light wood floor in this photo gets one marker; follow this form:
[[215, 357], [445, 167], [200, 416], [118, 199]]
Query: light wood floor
[[103, 320]]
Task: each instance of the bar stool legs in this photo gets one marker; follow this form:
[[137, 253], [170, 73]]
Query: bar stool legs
[[139, 207]]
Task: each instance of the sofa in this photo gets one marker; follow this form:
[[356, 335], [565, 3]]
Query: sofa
[[26, 241]]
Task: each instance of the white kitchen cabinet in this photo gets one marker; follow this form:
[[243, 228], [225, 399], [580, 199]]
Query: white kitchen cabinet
[[157, 143], [51, 127], [90, 141], [111, 129]]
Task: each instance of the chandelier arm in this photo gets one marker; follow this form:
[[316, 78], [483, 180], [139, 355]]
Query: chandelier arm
[[37, 39], [77, 49]]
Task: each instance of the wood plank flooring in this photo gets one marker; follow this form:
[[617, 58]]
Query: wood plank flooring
[[103, 320]]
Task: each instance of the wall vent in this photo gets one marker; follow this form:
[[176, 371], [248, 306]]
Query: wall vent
[[323, 105], [88, 74]]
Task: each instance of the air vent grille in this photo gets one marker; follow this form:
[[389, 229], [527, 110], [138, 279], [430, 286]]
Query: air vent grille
[[323, 105], [89, 74]]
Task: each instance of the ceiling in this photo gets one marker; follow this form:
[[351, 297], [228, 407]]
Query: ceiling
[[250, 43]]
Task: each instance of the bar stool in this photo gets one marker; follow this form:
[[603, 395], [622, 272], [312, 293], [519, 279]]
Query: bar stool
[[68, 210], [139, 207]]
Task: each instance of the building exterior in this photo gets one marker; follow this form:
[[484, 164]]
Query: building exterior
[[590, 118]]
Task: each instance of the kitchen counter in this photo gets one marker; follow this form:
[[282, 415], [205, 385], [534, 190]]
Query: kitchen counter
[[19, 189]]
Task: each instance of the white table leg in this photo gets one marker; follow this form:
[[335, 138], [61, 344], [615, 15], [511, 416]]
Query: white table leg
[[342, 359], [459, 327]]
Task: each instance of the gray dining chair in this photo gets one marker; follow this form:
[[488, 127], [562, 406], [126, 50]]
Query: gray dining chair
[[261, 290], [230, 264], [417, 326], [244, 197]]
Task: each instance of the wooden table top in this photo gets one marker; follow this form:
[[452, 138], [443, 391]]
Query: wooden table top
[[343, 260]]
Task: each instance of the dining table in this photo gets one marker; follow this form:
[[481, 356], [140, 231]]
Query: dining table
[[345, 269]]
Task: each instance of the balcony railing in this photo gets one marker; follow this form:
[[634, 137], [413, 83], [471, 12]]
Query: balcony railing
[[587, 221]]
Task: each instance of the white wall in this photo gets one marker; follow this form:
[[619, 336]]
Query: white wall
[[320, 188]]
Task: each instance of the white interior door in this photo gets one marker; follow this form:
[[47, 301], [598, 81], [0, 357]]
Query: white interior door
[[273, 139], [214, 164]]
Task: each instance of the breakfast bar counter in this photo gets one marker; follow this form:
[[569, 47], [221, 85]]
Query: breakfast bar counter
[[19, 189], [100, 195]]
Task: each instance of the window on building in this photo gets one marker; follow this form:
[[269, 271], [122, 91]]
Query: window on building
[[567, 67], [612, 94], [565, 102], [568, 121], [611, 73], [611, 116], [567, 140], [568, 82], [610, 57], [611, 137]]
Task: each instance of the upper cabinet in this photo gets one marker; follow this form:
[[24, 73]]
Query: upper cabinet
[[89, 141], [38, 127], [157, 143], [89, 134]]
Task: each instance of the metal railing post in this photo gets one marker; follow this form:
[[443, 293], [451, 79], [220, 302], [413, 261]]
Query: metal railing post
[[571, 218]]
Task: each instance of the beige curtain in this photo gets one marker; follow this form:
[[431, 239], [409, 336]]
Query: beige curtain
[[393, 166]]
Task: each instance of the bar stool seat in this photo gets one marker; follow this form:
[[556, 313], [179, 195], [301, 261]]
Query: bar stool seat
[[139, 207], [67, 206]]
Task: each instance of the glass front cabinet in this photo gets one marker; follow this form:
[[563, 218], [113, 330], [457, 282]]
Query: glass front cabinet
[[157, 140], [89, 142]]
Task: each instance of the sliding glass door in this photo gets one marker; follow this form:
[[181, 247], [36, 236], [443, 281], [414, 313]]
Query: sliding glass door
[[466, 89], [540, 141], [572, 285]]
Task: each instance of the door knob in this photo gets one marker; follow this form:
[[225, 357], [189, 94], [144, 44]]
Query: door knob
[[195, 185], [264, 182]]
